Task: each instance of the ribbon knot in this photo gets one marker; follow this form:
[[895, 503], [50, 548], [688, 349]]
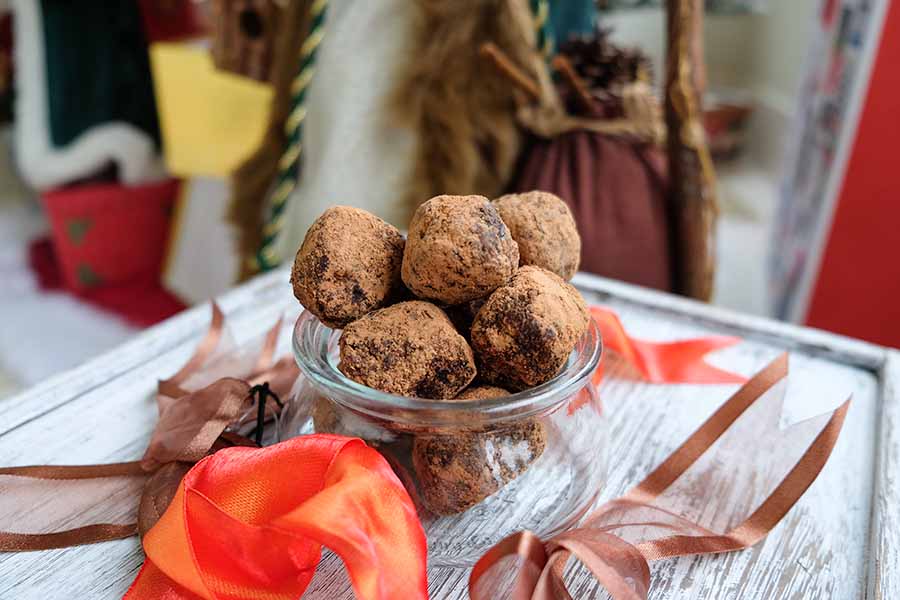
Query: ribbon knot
[[616, 564], [617, 541], [262, 392]]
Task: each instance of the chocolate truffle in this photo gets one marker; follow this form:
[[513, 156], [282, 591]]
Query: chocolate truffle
[[456, 472], [325, 416], [348, 265], [458, 249], [545, 230], [482, 392], [462, 315], [328, 417], [409, 349], [526, 330]]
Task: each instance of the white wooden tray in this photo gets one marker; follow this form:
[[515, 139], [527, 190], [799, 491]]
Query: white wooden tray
[[840, 541]]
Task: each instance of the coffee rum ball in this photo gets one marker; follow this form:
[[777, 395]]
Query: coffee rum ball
[[482, 392], [545, 230], [524, 333], [458, 249], [456, 472], [409, 349], [330, 417], [348, 265]]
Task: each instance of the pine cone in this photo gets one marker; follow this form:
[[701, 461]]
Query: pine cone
[[601, 64]]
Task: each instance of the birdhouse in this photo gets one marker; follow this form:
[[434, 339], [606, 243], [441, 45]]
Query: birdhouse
[[243, 36]]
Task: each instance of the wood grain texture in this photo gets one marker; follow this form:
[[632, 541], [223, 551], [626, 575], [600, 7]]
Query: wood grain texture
[[884, 580], [820, 550]]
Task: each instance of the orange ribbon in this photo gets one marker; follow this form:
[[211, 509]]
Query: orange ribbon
[[666, 362], [250, 523], [646, 517]]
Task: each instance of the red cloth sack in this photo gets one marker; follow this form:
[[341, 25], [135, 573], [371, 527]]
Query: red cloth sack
[[616, 186]]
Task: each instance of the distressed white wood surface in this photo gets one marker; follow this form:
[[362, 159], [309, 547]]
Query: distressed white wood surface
[[839, 542], [884, 562]]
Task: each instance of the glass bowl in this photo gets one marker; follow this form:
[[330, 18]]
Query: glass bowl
[[478, 470]]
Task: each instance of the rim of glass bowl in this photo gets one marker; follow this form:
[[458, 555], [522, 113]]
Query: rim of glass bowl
[[312, 342]]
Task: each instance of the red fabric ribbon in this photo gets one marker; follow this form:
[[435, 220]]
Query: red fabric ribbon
[[665, 362], [250, 523]]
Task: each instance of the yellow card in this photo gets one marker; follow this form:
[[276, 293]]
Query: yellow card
[[210, 120]]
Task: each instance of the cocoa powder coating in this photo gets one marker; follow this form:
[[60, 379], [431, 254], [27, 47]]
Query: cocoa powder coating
[[348, 265], [458, 249], [543, 227], [482, 392], [456, 472], [325, 416], [526, 330], [409, 349]]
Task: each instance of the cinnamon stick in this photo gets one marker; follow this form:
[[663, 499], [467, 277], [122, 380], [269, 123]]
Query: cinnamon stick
[[508, 69], [562, 64]]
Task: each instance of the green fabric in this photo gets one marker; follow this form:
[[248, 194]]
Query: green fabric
[[98, 69], [572, 17], [87, 276], [77, 229]]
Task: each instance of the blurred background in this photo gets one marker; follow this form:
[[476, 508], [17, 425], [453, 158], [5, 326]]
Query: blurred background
[[156, 153]]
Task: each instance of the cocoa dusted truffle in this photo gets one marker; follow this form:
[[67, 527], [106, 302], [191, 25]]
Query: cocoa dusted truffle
[[409, 349], [456, 472], [545, 230], [482, 392], [329, 417], [325, 416], [458, 249], [525, 331], [348, 265], [462, 315]]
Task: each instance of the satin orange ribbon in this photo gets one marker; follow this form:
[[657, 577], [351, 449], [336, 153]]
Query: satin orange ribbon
[[250, 523], [664, 362], [658, 362], [620, 565]]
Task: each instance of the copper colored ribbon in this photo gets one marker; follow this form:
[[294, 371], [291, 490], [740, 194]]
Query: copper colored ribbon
[[621, 566], [97, 532], [192, 424]]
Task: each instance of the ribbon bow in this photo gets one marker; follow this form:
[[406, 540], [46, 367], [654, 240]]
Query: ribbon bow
[[196, 406], [242, 521], [617, 541]]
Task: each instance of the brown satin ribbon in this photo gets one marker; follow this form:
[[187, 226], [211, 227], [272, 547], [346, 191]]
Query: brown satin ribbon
[[98, 532], [204, 350], [191, 425], [621, 567]]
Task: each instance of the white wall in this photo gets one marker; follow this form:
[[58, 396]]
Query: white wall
[[761, 54], [780, 43], [728, 41]]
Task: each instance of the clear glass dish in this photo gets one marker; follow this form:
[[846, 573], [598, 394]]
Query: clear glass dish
[[478, 470]]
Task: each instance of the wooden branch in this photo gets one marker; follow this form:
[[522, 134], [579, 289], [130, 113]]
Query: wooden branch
[[582, 94], [508, 69], [694, 209]]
